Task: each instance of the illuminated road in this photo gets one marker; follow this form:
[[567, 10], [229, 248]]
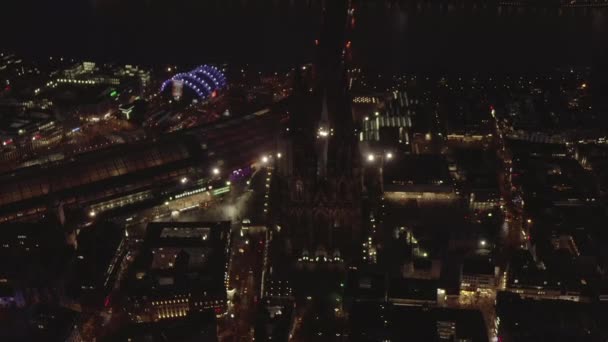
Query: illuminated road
[[245, 278], [515, 234]]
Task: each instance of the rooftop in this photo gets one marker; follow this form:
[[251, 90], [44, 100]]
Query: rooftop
[[195, 327], [413, 289], [478, 266], [178, 258], [534, 320], [408, 170], [97, 255], [382, 321], [274, 320]]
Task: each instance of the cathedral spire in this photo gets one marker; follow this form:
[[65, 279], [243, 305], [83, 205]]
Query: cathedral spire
[[325, 185], [323, 139], [324, 110]]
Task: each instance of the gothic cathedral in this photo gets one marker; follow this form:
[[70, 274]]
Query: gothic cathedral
[[320, 176]]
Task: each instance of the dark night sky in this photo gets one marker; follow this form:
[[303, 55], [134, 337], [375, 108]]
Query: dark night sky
[[281, 32]]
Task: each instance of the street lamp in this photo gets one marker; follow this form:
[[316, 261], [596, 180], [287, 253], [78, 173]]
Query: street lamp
[[215, 171], [184, 180], [371, 157], [279, 155], [264, 159], [389, 155], [483, 243]]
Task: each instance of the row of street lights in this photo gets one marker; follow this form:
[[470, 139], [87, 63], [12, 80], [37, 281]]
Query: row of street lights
[[214, 172]]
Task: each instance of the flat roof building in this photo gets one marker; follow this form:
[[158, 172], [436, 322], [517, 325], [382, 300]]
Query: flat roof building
[[181, 269], [420, 178], [523, 319], [478, 273], [387, 322], [197, 327], [100, 251]]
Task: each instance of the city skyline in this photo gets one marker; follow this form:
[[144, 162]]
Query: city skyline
[[362, 171], [417, 36]]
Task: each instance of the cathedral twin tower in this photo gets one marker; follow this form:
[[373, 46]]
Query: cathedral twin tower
[[320, 176]]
